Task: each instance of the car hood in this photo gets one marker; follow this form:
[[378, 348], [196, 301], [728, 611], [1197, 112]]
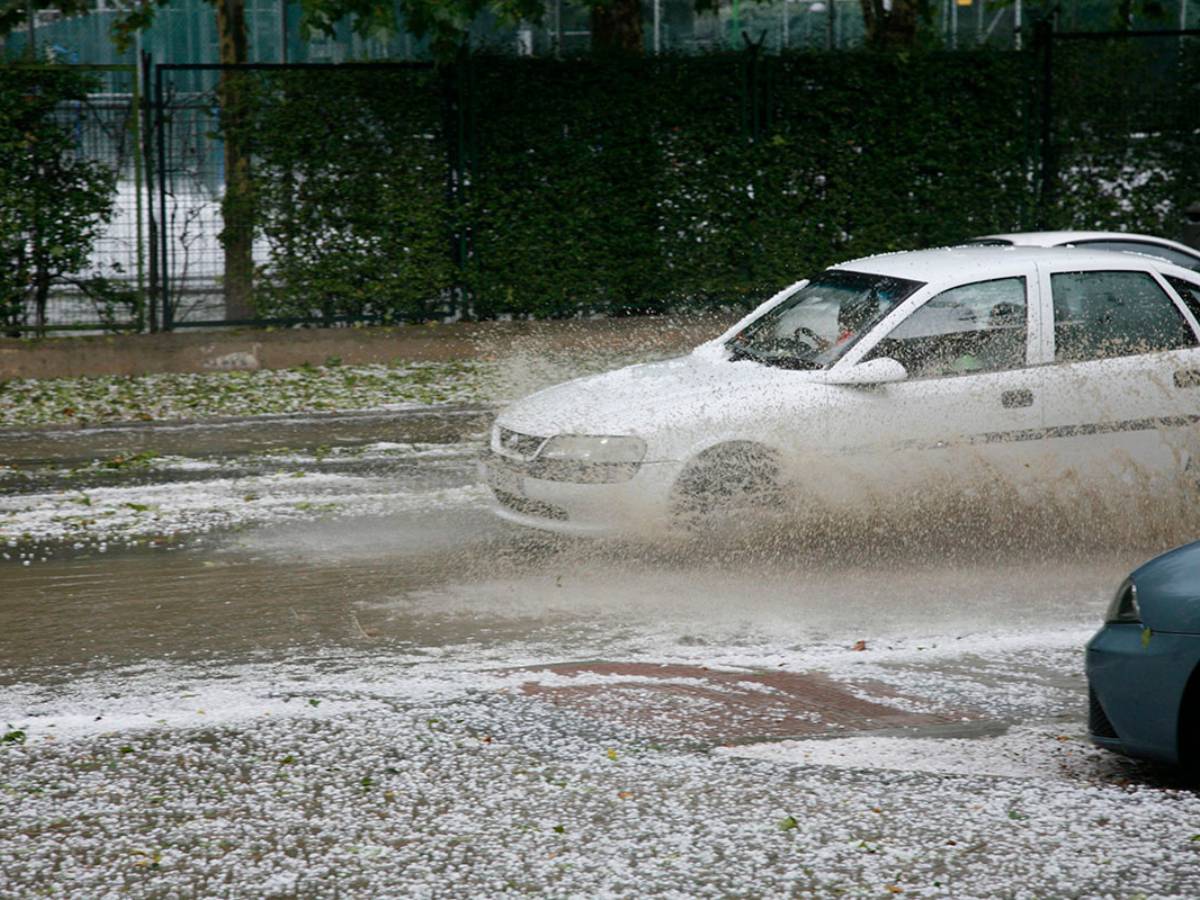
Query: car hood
[[693, 390], [1169, 590]]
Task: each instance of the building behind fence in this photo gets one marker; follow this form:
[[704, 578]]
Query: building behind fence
[[185, 32], [501, 186]]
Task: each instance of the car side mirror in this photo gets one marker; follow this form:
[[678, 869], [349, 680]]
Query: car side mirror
[[883, 370]]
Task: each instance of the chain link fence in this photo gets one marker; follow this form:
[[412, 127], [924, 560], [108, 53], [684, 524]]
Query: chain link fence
[[189, 175], [81, 158]]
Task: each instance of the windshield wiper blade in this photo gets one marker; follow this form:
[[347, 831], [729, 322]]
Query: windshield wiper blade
[[738, 352], [789, 362]]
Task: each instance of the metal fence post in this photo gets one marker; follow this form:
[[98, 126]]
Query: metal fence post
[[147, 156], [138, 131], [750, 89], [160, 136], [456, 99], [1043, 41], [756, 89]]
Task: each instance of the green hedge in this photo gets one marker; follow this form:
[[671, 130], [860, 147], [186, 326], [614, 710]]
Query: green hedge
[[544, 188], [1127, 133], [350, 188]]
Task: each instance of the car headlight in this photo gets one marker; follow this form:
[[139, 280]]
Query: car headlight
[[1124, 605], [581, 448], [589, 459]]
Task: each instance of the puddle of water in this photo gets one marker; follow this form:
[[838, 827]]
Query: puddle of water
[[699, 704]]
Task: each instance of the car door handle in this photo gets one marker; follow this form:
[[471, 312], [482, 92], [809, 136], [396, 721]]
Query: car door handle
[[1016, 399], [1187, 378]]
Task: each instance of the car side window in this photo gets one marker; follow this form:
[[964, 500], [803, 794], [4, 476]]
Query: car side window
[[1098, 315], [1189, 291], [1170, 254], [978, 327]]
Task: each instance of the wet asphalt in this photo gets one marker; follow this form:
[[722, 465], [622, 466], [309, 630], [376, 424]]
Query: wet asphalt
[[384, 625], [441, 576]]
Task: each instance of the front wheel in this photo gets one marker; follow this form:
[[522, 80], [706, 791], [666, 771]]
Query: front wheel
[[730, 484]]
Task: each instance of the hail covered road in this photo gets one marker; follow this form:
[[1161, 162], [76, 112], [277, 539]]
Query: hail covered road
[[297, 656]]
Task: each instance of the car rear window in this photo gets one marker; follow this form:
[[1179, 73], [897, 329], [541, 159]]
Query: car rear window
[[1104, 314], [1189, 291]]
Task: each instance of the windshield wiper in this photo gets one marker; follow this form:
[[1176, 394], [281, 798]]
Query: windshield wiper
[[788, 362], [739, 352]]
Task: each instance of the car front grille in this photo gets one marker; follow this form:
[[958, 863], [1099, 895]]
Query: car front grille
[[527, 507], [515, 443], [1098, 723], [566, 470]]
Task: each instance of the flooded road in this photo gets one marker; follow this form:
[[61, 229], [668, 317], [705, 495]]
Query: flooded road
[[458, 576], [440, 570], [300, 657], [249, 550]]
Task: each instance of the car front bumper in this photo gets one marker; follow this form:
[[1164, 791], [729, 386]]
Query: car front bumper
[[640, 505], [1136, 686]]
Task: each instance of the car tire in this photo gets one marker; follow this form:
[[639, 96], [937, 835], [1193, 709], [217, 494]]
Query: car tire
[[1188, 728], [730, 484]]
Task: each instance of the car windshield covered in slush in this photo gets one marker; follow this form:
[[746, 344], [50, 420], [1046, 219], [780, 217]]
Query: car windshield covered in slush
[[815, 326]]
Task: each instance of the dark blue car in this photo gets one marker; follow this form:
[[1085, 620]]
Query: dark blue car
[[1143, 666]]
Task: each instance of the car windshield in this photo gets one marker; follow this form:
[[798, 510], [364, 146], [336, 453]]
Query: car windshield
[[817, 324]]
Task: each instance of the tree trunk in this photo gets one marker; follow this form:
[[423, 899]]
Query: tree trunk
[[617, 27], [237, 209], [894, 29]]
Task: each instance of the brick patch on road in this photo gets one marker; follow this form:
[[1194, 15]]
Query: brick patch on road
[[696, 703]]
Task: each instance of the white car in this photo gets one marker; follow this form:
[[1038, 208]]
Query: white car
[[879, 377], [1161, 248]]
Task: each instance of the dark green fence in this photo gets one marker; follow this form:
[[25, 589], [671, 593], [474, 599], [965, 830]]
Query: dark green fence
[[544, 188], [1121, 122], [535, 187], [698, 181], [351, 193]]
